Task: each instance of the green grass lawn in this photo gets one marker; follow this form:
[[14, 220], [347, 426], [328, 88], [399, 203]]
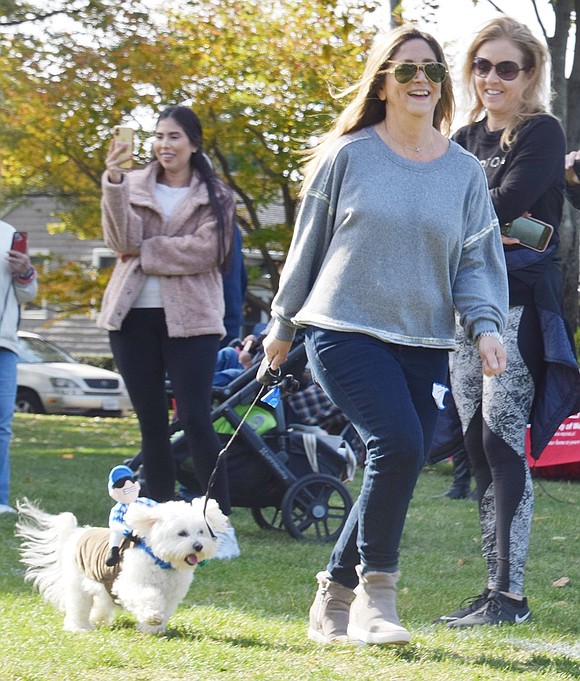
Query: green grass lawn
[[246, 619]]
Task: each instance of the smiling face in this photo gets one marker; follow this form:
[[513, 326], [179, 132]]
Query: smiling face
[[501, 98], [420, 95], [172, 147]]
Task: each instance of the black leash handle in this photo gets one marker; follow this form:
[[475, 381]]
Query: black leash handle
[[267, 376]]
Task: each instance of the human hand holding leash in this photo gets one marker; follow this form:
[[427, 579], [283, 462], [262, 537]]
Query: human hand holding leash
[[276, 351]]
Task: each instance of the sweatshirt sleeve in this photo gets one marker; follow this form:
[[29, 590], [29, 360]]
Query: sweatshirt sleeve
[[480, 289], [536, 165], [122, 227], [312, 235], [25, 291]]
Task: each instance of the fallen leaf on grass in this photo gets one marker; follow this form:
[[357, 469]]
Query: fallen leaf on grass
[[561, 582]]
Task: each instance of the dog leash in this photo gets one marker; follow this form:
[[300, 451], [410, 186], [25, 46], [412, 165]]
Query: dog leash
[[268, 379]]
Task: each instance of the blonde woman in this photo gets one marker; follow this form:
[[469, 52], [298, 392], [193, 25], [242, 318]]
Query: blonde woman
[[521, 147], [395, 230]]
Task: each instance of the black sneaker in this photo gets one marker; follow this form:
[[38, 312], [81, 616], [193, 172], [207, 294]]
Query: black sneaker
[[468, 605], [496, 610]]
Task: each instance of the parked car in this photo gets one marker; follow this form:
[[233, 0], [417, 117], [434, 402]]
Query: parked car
[[50, 381]]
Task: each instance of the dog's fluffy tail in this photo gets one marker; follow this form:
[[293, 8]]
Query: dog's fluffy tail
[[43, 538]]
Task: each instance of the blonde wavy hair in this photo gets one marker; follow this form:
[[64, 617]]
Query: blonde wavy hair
[[536, 61], [366, 108]]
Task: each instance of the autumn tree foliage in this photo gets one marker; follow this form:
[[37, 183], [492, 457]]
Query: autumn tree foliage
[[259, 74]]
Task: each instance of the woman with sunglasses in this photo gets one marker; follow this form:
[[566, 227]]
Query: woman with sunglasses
[[521, 147], [395, 230]]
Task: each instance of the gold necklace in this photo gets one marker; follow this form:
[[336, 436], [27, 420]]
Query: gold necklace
[[417, 150]]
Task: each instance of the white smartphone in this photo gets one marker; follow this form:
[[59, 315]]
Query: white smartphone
[[124, 135], [531, 233]]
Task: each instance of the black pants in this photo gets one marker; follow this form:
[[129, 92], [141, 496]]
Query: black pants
[[144, 354]]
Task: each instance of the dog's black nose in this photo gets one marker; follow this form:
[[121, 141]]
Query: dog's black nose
[[197, 547]]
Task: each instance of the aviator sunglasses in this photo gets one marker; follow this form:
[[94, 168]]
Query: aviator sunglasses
[[404, 72], [506, 70]]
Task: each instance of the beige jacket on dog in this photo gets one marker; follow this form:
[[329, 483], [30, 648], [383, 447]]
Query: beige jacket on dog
[[92, 551]]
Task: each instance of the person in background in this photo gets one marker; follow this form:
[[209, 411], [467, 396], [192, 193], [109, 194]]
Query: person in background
[[448, 443], [573, 177], [233, 360], [521, 147], [18, 284], [172, 226], [386, 193], [235, 280]]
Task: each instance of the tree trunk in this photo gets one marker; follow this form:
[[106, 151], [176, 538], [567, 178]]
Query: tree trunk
[[565, 107]]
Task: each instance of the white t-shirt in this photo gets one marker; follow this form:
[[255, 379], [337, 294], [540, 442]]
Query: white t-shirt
[[168, 198]]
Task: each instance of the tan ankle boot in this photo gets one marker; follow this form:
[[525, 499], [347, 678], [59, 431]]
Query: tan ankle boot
[[329, 612], [373, 613]]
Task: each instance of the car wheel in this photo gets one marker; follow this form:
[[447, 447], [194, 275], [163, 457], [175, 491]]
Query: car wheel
[[28, 402]]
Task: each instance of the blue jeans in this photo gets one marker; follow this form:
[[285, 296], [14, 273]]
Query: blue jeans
[[7, 400], [385, 390]]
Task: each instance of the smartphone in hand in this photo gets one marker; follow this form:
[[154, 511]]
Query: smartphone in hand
[[531, 233], [124, 135], [19, 242]]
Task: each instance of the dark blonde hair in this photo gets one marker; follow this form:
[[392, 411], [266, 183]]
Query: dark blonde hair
[[536, 59], [366, 108]]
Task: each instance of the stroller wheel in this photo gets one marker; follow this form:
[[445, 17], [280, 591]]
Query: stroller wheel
[[316, 507], [269, 518]]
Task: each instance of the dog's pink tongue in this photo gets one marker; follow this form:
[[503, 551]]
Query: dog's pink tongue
[[191, 559]]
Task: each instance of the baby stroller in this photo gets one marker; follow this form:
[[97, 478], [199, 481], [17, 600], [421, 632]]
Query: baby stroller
[[290, 476]]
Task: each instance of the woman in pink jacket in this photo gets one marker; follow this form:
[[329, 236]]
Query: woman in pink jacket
[[171, 225]]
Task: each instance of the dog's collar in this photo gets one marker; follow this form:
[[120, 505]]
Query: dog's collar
[[164, 565]]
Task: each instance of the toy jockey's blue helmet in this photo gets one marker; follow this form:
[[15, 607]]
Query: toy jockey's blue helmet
[[118, 474]]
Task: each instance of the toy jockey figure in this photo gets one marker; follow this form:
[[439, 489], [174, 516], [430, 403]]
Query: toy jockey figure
[[124, 489]]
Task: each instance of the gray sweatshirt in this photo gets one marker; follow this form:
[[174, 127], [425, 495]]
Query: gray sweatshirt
[[392, 247]]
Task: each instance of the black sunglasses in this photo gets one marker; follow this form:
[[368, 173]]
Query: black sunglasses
[[120, 483], [404, 71], [506, 70]]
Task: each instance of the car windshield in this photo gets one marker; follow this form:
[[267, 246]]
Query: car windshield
[[36, 351]]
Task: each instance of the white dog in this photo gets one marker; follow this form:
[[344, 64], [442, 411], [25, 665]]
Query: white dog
[[65, 562]]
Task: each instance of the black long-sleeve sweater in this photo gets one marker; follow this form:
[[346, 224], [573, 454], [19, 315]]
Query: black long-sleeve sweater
[[529, 178]]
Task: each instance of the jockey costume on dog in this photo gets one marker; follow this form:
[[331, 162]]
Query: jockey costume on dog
[[124, 489]]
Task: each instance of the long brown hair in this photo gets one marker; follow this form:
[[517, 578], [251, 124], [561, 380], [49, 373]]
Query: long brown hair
[[536, 59], [191, 125], [366, 108]]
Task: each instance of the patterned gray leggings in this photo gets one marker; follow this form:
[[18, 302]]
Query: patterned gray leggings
[[494, 414]]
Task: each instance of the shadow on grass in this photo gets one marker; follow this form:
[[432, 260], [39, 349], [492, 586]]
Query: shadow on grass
[[535, 663], [413, 654]]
